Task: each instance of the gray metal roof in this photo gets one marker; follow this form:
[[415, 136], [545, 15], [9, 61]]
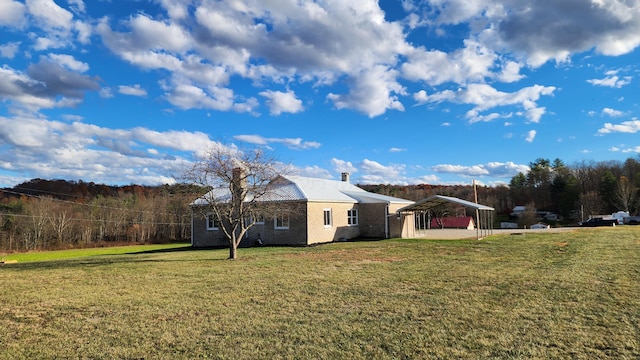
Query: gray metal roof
[[298, 188], [438, 200]]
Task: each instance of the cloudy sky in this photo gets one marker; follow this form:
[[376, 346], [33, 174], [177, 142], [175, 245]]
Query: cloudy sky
[[400, 92]]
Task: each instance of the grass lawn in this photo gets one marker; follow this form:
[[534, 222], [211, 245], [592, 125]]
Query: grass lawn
[[572, 295]]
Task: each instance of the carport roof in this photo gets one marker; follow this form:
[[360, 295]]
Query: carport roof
[[438, 200]]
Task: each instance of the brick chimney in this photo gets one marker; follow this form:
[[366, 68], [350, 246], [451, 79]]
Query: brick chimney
[[238, 181]]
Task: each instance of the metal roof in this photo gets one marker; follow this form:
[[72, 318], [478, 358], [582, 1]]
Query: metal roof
[[439, 200], [298, 188]]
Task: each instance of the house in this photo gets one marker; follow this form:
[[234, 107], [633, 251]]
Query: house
[[313, 211], [453, 222], [518, 210]]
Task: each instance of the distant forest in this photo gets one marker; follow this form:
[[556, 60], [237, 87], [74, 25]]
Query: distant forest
[[59, 214], [56, 214]]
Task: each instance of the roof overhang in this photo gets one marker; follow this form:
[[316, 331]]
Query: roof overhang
[[439, 200]]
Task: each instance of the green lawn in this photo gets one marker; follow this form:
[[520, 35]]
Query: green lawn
[[572, 295], [75, 253]]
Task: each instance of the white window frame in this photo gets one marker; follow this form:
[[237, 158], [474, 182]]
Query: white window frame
[[212, 218], [283, 217], [352, 217], [328, 217], [255, 219]]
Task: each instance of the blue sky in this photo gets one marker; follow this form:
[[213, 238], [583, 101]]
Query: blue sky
[[395, 92]]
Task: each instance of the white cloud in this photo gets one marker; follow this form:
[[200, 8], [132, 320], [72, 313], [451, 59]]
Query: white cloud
[[375, 173], [50, 15], [84, 31], [134, 90], [105, 93], [475, 170], [472, 63], [511, 72], [44, 148], [292, 143], [485, 97], [490, 169], [314, 172], [612, 112], [188, 96], [372, 92], [628, 127], [77, 5], [280, 102], [622, 149], [69, 62], [341, 166], [611, 81], [531, 135], [12, 13], [9, 50], [268, 41], [395, 150]]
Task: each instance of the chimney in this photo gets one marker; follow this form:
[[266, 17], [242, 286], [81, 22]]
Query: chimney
[[345, 176], [238, 180]]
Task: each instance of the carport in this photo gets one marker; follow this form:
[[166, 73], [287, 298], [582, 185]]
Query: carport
[[422, 212]]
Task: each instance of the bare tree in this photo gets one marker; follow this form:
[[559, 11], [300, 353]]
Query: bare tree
[[241, 186], [624, 194]]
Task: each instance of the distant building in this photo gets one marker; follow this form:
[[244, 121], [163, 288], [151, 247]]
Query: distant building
[[453, 222], [518, 210]]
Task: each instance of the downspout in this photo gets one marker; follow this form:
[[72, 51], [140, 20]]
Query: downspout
[[192, 225], [386, 221]]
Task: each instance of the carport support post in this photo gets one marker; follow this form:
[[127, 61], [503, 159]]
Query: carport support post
[[475, 197]]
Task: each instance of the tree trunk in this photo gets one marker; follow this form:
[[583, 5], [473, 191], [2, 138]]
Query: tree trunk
[[233, 250]]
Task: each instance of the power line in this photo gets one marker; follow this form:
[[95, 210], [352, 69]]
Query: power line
[[85, 204]]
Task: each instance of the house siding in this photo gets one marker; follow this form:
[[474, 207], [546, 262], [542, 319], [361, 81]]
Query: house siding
[[399, 227], [339, 229], [294, 235], [372, 220], [206, 238]]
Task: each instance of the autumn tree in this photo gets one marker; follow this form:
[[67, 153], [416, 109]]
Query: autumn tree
[[241, 188]]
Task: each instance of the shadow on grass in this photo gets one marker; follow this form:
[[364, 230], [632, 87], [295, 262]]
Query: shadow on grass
[[111, 259], [187, 248]]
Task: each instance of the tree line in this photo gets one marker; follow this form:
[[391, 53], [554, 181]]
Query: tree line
[[58, 214], [574, 192]]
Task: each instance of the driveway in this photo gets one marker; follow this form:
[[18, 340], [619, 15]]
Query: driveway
[[446, 234]]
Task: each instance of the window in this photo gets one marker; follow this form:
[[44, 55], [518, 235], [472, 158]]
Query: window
[[213, 223], [256, 219], [259, 219], [352, 217], [327, 218], [281, 221]]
